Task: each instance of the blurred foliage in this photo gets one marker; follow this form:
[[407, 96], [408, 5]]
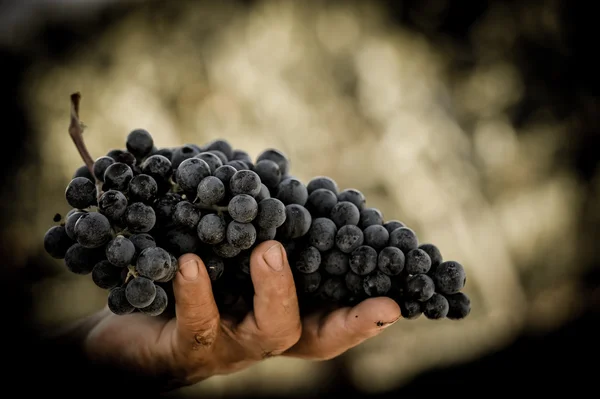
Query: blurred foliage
[[432, 131]]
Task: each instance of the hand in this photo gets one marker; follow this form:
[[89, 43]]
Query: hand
[[199, 343]]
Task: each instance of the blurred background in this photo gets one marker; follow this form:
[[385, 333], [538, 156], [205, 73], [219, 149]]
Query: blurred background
[[476, 123]]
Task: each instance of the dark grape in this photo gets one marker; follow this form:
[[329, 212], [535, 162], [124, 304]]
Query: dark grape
[[153, 263], [143, 188], [165, 206], [348, 238], [186, 214], [83, 171], [57, 242], [238, 165], [127, 158], [265, 234], [353, 196], [100, 166], [391, 261], [377, 284], [363, 260], [140, 292], [436, 307], [241, 235], [182, 153], [71, 222], [404, 239], [215, 267], [140, 218], [240, 155], [165, 152], [322, 182], [81, 193], [297, 222], [112, 204], [336, 262], [117, 177], [292, 191], [224, 173], [459, 306], [264, 193], [120, 251], [278, 157], [269, 172], [222, 157], [434, 254], [170, 274], [420, 287], [354, 282], [211, 191], [344, 213], [243, 208], [139, 142], [106, 275], [370, 217], [376, 236], [212, 160], [449, 277], [190, 173], [410, 309], [92, 230], [322, 234], [118, 303], [333, 289], [81, 260], [158, 167], [417, 261], [245, 182], [140, 242], [226, 250], [181, 241], [114, 153], [393, 225], [158, 304], [309, 260], [222, 146], [321, 202], [309, 282], [211, 229], [271, 213]]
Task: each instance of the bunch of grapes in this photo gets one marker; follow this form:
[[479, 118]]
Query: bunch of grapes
[[140, 208]]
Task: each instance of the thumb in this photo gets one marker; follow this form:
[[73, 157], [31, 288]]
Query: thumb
[[196, 311]]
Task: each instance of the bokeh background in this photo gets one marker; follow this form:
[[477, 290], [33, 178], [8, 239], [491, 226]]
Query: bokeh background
[[474, 123]]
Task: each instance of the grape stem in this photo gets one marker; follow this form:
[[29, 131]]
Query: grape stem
[[76, 128]]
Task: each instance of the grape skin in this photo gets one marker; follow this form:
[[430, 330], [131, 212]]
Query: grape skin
[[309, 260], [120, 251], [81, 260], [139, 142], [459, 306], [420, 287], [391, 261], [369, 217], [363, 260], [393, 225], [81, 193], [222, 146], [292, 191], [214, 267], [353, 196], [113, 204], [241, 235], [140, 292], [348, 238], [212, 160], [224, 173], [106, 275], [180, 154], [336, 262], [118, 303], [309, 282], [153, 263], [321, 202], [211, 229], [243, 208], [344, 213], [140, 242], [377, 284], [436, 307], [70, 224], [92, 230], [297, 221], [140, 218], [417, 261], [57, 242], [117, 177], [410, 310], [449, 277], [190, 173], [186, 214], [404, 239], [143, 188], [434, 254], [269, 173], [211, 190], [322, 234], [157, 166], [376, 236], [278, 157], [158, 304], [245, 182], [271, 213], [100, 166], [322, 182]]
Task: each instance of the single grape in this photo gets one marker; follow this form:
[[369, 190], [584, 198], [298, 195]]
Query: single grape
[[436, 307], [308, 260], [83, 171], [181, 241], [93, 230], [269, 172], [113, 204], [106, 275], [140, 242], [170, 274], [211, 229], [417, 261], [354, 196], [190, 173], [165, 206], [459, 306], [241, 155], [211, 191], [118, 303], [434, 254], [81, 193], [139, 142], [183, 153], [321, 202], [292, 191], [393, 225], [241, 235], [336, 262], [223, 146], [297, 222], [143, 188], [212, 160], [225, 173], [348, 238], [271, 213], [165, 152], [264, 193], [344, 213], [71, 222], [377, 284], [222, 157], [140, 218], [158, 167], [420, 287], [370, 217], [276, 156], [449, 277], [354, 282], [140, 292], [363, 260], [114, 153], [57, 242], [376, 236], [410, 309], [153, 263], [322, 234], [215, 267], [322, 182], [391, 261], [81, 260], [100, 166], [120, 251], [158, 304], [238, 165], [308, 282], [404, 239], [186, 214], [265, 234], [333, 289], [243, 208], [117, 177], [245, 182], [226, 250]]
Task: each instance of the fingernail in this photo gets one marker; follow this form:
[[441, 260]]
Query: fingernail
[[274, 257], [189, 270]]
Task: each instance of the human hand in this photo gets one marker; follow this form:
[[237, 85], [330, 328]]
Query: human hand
[[199, 343]]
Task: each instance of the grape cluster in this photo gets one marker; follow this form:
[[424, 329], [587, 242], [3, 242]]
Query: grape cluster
[[142, 207]]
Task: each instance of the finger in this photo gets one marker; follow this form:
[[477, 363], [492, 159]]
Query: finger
[[275, 323], [327, 337], [195, 307]]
